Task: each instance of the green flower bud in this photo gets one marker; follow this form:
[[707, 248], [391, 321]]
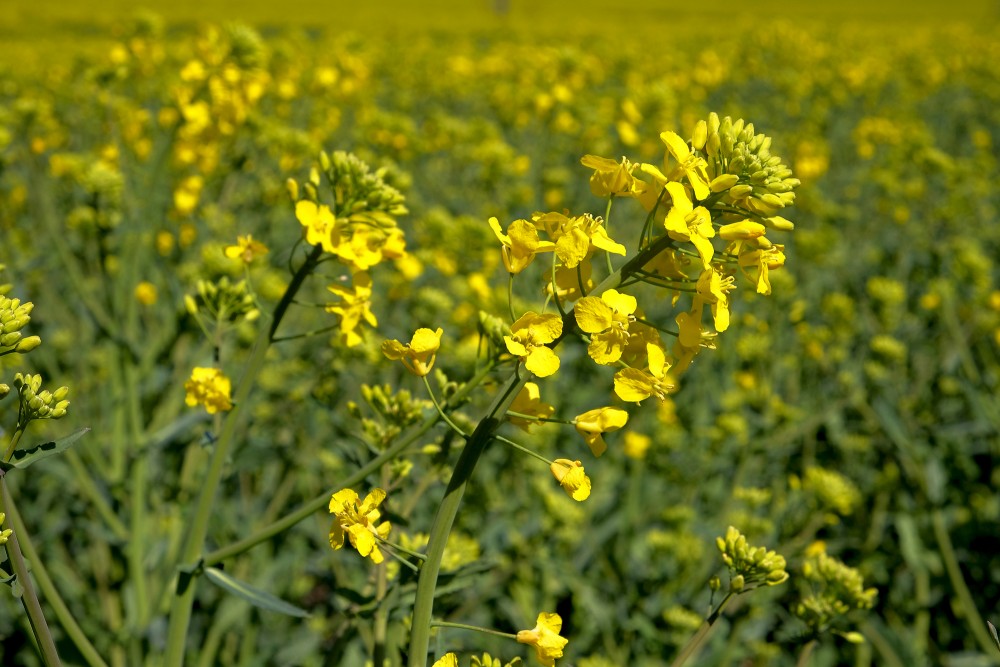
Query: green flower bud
[[28, 344], [10, 339], [700, 135], [4, 390], [293, 189], [714, 584], [737, 584]]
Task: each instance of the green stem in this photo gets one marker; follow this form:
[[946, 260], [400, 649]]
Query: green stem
[[14, 439], [46, 645], [445, 518], [522, 448], [474, 628], [806, 653], [180, 609], [510, 297], [321, 501], [62, 612], [447, 420], [607, 228], [972, 618], [699, 637]]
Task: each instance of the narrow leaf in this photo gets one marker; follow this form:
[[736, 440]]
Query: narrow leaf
[[254, 596], [23, 458]]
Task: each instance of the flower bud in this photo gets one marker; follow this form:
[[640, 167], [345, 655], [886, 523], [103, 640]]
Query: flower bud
[[28, 344], [700, 135], [742, 230], [737, 583], [10, 339], [293, 189]]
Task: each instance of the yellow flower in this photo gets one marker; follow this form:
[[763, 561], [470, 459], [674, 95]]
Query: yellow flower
[[357, 522], [634, 385], [684, 222], [545, 638], [361, 251], [576, 238], [520, 244], [446, 660], [713, 288], [694, 167], [245, 249], [528, 338], [210, 388], [593, 424], [145, 293], [529, 402], [691, 337], [610, 178], [320, 224], [354, 306], [571, 478], [606, 320], [187, 194], [419, 354]]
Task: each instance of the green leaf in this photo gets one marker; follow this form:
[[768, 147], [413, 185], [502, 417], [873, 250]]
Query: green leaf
[[254, 596], [23, 458]]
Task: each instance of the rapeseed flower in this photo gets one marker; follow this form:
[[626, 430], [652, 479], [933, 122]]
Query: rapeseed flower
[[576, 238], [610, 178], [571, 478], [528, 339], [529, 402], [545, 638], [634, 385], [520, 244], [358, 522], [606, 319], [146, 293], [713, 289], [593, 424], [419, 354], [446, 660], [208, 387], [689, 164], [320, 224], [684, 222], [353, 307], [246, 249]]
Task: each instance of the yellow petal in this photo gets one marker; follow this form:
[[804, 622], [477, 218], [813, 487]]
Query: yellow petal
[[515, 347], [624, 304], [425, 340], [677, 146], [593, 315], [633, 385], [542, 361]]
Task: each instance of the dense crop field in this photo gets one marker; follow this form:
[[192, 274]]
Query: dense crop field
[[347, 298]]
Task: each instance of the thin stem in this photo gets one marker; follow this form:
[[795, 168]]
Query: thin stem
[[536, 418], [445, 518], [971, 614], [306, 334], [180, 609], [447, 420], [474, 628], [522, 448], [806, 653], [399, 547], [14, 439], [699, 637], [46, 645], [510, 297], [607, 228]]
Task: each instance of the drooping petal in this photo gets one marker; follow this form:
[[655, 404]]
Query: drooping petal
[[593, 314], [542, 361]]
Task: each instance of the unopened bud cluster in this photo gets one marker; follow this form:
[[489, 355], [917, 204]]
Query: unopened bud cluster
[[223, 300], [395, 412], [760, 182], [14, 316], [750, 567], [356, 189], [38, 403], [837, 589]]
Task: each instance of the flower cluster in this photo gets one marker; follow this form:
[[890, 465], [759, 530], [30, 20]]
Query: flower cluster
[[14, 316], [836, 589], [358, 228], [358, 522], [750, 567], [38, 403], [210, 388]]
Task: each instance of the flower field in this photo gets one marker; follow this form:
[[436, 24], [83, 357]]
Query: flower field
[[482, 334]]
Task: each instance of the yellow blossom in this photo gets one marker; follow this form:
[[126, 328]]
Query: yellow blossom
[[634, 385], [593, 424], [245, 249], [354, 306], [529, 402], [319, 222], [187, 194], [528, 338], [419, 354], [446, 660], [576, 238], [545, 638], [606, 320], [358, 522], [713, 288], [694, 167], [210, 388], [145, 293], [610, 178], [684, 222], [571, 478], [520, 244]]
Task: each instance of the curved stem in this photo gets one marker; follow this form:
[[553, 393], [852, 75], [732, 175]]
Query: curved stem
[[444, 415], [806, 653], [699, 637], [180, 609], [474, 628], [445, 518]]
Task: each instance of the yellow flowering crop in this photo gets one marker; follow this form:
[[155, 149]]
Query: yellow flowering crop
[[593, 424], [246, 249], [419, 354], [358, 522], [545, 638], [607, 320], [210, 388], [528, 338]]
